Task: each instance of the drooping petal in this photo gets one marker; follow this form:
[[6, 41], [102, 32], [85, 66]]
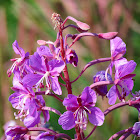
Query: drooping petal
[[67, 120], [88, 96], [55, 86], [71, 102], [112, 95], [96, 116]]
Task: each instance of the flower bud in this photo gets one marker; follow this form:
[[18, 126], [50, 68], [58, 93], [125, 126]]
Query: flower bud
[[72, 57], [108, 36], [83, 25], [100, 76]]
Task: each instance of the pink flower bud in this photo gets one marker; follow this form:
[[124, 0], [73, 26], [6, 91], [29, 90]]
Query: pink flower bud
[[82, 25], [108, 36], [41, 42]]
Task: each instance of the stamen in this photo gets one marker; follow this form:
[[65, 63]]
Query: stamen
[[87, 109]]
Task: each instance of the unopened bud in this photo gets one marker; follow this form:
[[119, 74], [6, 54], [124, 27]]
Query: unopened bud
[[108, 36], [41, 42], [83, 25]]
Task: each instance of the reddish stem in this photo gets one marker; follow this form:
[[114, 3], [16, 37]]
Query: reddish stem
[[123, 137], [63, 136], [78, 133], [42, 129], [66, 75], [121, 133], [118, 105], [50, 94], [90, 64], [51, 109], [90, 133], [101, 83]]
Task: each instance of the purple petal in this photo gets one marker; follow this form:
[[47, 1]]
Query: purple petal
[[44, 51], [33, 118], [17, 81], [31, 79], [56, 67], [127, 68], [55, 86], [71, 102], [45, 136], [67, 120], [96, 116], [88, 96], [15, 132], [112, 95], [15, 98], [136, 129], [46, 115], [40, 99], [17, 49], [117, 47], [127, 86], [35, 62], [120, 62]]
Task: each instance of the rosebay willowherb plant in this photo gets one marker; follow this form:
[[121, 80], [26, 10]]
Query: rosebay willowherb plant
[[36, 76]]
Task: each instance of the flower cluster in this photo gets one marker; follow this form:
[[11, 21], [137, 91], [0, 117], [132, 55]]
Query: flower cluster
[[38, 74]]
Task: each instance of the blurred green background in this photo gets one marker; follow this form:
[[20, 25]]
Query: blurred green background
[[29, 20]]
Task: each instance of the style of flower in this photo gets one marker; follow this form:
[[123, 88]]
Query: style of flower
[[100, 76], [123, 78], [28, 105], [44, 69], [15, 133], [78, 108], [20, 63]]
